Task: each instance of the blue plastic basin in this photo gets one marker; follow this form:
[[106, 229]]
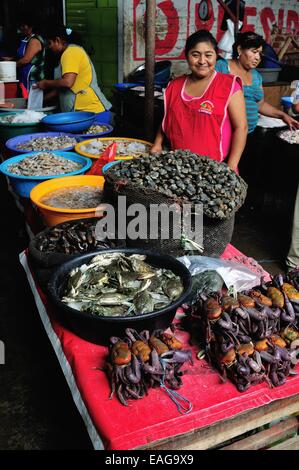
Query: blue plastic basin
[[124, 86], [75, 121], [103, 118], [12, 144], [99, 134], [287, 101], [22, 185], [109, 165]]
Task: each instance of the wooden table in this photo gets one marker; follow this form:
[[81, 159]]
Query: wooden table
[[275, 91], [217, 434], [207, 426]]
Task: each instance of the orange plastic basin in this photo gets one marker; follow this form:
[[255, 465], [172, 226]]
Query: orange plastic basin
[[54, 215]]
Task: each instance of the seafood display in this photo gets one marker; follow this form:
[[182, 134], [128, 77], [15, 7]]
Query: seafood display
[[73, 197], [115, 284], [141, 361], [188, 176], [254, 336], [47, 143], [96, 129], [124, 147], [22, 118], [290, 136], [43, 164], [77, 236]]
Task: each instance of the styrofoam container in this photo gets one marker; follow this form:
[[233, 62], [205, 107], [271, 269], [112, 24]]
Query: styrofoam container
[[8, 70]]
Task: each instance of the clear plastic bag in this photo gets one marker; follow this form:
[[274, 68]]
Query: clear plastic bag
[[225, 44], [35, 98], [233, 274]]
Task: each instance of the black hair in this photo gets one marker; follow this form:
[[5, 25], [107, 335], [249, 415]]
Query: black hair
[[248, 40], [28, 19], [60, 31], [202, 35]]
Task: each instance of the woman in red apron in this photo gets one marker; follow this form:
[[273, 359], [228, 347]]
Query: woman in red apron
[[204, 111]]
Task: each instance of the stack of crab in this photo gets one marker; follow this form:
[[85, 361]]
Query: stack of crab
[[140, 361], [254, 336]]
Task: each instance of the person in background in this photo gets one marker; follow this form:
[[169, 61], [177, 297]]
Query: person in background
[[247, 53], [205, 110], [292, 260], [30, 55], [75, 79]]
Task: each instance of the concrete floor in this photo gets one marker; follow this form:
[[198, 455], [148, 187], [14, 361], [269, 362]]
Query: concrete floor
[[36, 407]]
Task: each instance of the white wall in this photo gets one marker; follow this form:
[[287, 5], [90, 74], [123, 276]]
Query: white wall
[[176, 19]]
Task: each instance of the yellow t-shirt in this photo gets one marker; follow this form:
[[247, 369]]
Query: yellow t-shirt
[[75, 60]]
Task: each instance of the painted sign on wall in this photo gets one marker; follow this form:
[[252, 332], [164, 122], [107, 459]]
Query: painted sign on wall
[[177, 19]]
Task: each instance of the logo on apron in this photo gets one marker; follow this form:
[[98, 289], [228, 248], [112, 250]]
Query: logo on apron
[[206, 107]]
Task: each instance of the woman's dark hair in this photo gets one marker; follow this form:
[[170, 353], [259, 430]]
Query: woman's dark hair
[[60, 31], [248, 40], [28, 20], [201, 35]]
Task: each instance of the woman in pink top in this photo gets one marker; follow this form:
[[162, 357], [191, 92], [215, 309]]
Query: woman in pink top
[[205, 111]]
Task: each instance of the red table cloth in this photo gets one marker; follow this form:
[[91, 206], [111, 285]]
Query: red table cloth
[[113, 426]]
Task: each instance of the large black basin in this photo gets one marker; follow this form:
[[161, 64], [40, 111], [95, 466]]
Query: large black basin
[[98, 329]]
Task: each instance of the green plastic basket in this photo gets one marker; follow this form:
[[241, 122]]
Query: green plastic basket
[[9, 130]]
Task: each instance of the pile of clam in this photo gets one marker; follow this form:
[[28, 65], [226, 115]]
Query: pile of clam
[[253, 337], [47, 143], [43, 164], [196, 179]]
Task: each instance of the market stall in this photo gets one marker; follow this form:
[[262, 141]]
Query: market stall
[[219, 411], [213, 396]]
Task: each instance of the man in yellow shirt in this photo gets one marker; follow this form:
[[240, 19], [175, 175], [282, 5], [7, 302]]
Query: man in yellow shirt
[[75, 77]]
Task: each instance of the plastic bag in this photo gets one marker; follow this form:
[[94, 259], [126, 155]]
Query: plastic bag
[[107, 156], [233, 274], [208, 281], [35, 98], [225, 44]]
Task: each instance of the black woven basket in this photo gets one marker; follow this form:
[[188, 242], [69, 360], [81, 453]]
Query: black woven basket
[[43, 263], [216, 233]]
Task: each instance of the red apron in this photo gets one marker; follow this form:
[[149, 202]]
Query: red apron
[[196, 125]]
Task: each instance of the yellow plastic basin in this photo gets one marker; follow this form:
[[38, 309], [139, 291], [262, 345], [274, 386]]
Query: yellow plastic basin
[[54, 215], [111, 139]]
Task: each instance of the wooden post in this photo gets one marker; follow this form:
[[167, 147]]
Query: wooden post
[[237, 18], [150, 68], [234, 18]]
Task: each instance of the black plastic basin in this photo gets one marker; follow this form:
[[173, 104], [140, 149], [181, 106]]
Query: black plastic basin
[[98, 329]]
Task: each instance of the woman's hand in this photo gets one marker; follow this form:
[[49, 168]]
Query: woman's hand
[[8, 104], [156, 148], [42, 84], [291, 122], [233, 167], [158, 142]]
